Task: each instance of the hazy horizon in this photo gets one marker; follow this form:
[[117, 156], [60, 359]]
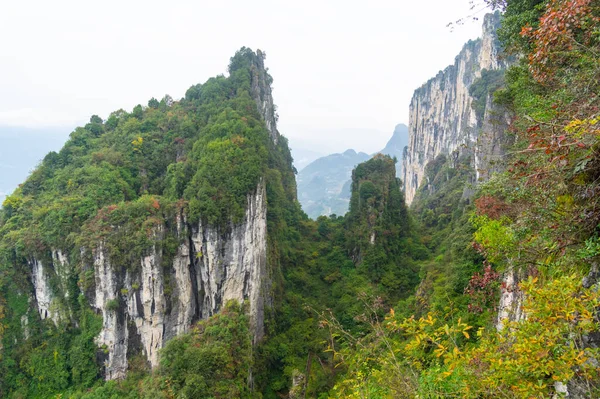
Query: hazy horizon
[[344, 72]]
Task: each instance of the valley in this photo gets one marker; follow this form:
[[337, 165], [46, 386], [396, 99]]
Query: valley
[[175, 250]]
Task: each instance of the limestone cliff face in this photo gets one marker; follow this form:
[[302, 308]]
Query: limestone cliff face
[[41, 285], [210, 267], [441, 117], [488, 152], [262, 94], [510, 307], [160, 295], [232, 265], [145, 305], [43, 276]]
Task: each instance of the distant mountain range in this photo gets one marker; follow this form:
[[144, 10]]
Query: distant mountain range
[[324, 184], [395, 147], [303, 157]]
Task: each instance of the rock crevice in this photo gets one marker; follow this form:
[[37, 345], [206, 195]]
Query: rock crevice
[[158, 299]]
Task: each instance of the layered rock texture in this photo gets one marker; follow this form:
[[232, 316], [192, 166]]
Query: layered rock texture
[[189, 271], [151, 304], [145, 305], [442, 118]]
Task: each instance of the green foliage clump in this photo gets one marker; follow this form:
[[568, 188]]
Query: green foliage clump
[[214, 360], [51, 360], [229, 166], [379, 229], [537, 221], [481, 88], [116, 186]]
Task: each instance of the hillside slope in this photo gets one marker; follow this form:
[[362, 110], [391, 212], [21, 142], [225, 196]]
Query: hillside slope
[[146, 223]]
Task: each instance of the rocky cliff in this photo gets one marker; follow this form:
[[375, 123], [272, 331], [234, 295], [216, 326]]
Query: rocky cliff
[[442, 118], [262, 94], [185, 270], [153, 304]]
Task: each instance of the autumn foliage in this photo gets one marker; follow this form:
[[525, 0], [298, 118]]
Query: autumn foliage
[[491, 207], [566, 30]]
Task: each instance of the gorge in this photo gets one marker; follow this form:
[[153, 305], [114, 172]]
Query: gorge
[[163, 252]]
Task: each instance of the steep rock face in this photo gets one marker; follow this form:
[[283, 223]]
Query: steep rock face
[[441, 118], [113, 338], [147, 301], [42, 291], [185, 306], [210, 267], [262, 94], [232, 266], [44, 274], [491, 140], [148, 307], [510, 307]]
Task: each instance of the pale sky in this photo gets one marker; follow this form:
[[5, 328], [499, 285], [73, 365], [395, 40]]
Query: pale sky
[[344, 71]]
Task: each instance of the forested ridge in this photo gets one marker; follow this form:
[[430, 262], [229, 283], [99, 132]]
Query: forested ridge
[[477, 290]]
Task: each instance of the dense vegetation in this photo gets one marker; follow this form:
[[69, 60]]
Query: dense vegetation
[[119, 182], [537, 222], [124, 181], [383, 302]]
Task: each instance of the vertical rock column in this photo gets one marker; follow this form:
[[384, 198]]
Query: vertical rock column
[[441, 118], [232, 265]]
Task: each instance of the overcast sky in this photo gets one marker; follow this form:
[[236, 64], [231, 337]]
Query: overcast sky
[[344, 71]]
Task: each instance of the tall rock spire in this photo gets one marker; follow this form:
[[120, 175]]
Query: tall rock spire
[[262, 94]]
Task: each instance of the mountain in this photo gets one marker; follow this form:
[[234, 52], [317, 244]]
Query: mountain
[[323, 185], [443, 118], [150, 221], [164, 248], [395, 146], [303, 156], [163, 253]]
